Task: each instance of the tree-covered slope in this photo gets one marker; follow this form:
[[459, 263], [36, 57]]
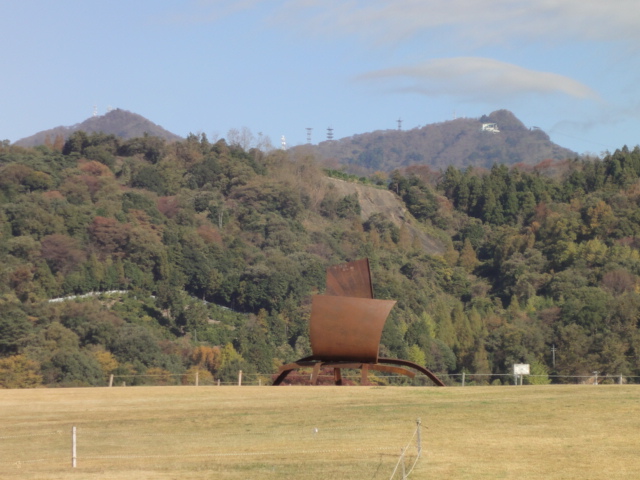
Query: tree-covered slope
[[525, 261]]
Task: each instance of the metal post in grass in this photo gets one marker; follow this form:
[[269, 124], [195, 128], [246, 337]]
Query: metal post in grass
[[111, 380], [73, 447], [419, 437], [197, 377], [463, 376], [620, 380], [240, 378]]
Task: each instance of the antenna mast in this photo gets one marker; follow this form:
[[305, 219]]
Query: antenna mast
[[309, 130], [399, 123], [329, 133]]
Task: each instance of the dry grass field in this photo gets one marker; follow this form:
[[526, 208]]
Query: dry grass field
[[529, 432]]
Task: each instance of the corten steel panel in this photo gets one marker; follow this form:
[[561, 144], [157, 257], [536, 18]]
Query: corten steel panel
[[352, 279], [347, 328]]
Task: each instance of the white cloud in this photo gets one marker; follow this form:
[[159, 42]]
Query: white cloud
[[474, 78], [473, 21], [465, 22]]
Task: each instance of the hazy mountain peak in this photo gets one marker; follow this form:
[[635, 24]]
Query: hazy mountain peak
[[118, 122], [505, 119]]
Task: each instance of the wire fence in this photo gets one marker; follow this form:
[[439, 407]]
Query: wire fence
[[373, 450], [471, 379], [456, 379]]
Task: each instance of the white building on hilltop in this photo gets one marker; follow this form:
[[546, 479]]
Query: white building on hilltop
[[490, 127]]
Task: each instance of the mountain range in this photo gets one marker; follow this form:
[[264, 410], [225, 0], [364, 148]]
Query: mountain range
[[499, 137]]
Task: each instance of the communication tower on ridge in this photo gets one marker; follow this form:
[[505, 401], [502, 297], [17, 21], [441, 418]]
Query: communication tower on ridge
[[95, 110], [399, 123], [329, 133], [309, 130], [283, 143]]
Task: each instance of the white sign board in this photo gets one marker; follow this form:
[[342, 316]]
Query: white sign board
[[521, 369]]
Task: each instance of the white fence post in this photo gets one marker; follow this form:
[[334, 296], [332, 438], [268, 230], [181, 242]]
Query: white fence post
[[111, 380], [197, 377], [240, 378], [73, 447]]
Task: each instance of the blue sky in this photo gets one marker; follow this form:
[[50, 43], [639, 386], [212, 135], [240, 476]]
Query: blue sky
[[276, 67]]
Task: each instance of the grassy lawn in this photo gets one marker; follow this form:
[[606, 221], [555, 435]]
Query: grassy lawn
[[529, 432]]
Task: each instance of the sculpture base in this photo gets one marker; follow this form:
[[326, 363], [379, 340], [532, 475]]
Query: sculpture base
[[389, 365]]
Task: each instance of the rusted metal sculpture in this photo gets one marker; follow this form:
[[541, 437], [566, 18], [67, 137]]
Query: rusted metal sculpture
[[345, 328]]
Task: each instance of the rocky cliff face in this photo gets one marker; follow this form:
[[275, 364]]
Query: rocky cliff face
[[375, 200]]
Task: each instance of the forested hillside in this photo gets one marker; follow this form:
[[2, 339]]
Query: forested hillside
[[531, 258], [461, 142]]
